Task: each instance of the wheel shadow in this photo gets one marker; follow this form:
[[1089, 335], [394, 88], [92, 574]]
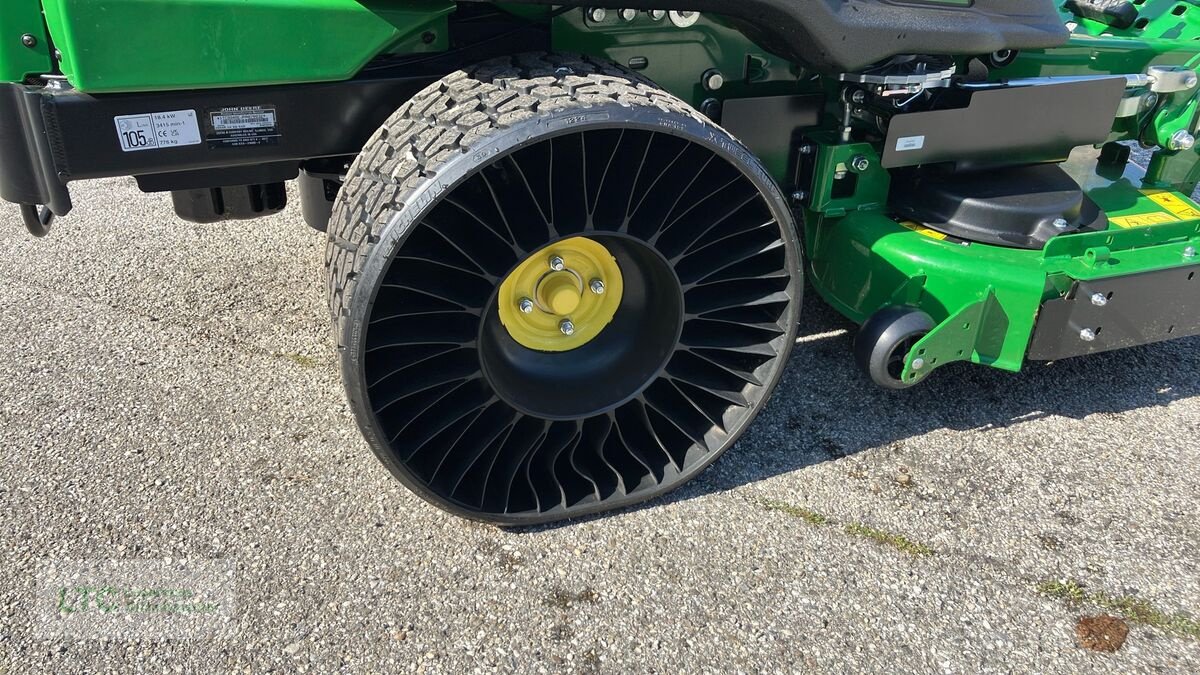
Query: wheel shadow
[[826, 409]]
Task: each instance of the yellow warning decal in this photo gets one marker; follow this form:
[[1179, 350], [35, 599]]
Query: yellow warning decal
[[1144, 220], [1173, 203], [921, 229]]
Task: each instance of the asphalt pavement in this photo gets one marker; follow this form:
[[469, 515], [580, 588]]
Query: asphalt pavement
[[169, 391]]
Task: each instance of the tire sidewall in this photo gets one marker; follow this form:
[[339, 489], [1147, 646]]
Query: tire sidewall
[[502, 142]]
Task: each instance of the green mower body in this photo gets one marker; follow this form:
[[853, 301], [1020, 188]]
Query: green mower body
[[953, 175]]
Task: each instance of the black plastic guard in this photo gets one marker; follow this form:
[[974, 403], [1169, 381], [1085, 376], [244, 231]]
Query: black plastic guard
[[1138, 309], [995, 129], [841, 36]]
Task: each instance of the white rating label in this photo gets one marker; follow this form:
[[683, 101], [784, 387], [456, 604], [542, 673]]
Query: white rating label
[[155, 131]]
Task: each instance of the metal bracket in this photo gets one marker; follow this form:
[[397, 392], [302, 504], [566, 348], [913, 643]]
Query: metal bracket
[[974, 333]]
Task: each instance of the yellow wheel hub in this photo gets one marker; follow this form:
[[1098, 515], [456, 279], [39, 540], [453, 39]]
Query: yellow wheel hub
[[561, 297]]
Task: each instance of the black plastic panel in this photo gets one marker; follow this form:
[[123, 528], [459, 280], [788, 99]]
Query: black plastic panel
[[994, 129], [838, 36], [1138, 309]]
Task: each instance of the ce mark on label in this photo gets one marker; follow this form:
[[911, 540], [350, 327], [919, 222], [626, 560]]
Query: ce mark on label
[[156, 131]]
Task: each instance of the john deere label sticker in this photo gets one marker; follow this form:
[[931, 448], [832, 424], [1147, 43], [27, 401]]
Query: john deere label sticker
[[157, 131], [910, 143], [242, 126]]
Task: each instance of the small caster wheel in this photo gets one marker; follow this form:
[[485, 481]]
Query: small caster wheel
[[884, 341]]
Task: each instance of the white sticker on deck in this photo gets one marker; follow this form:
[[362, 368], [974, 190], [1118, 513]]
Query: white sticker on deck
[[156, 131], [910, 143]]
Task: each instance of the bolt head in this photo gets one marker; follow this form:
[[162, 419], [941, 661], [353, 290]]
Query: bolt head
[[808, 149], [918, 364], [526, 306], [859, 96], [1189, 252], [628, 15], [597, 14], [1181, 140], [860, 163], [557, 264], [29, 40], [658, 14], [567, 327], [1099, 299], [714, 80], [799, 196], [1191, 81], [1087, 335], [1150, 100], [1061, 223], [597, 286]]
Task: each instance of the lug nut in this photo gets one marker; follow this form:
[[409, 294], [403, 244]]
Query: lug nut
[[1181, 140], [597, 286], [567, 327], [526, 306], [597, 14], [1099, 299], [557, 264], [1087, 335]]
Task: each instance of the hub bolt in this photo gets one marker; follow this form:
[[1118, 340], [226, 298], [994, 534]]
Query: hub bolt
[[526, 306], [1099, 299], [598, 14], [1189, 252], [1181, 140], [597, 286], [557, 264], [567, 327], [1087, 335]]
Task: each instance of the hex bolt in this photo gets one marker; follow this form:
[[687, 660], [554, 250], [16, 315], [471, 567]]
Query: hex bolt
[[1061, 223], [1087, 335], [628, 15], [526, 306], [597, 14], [29, 40], [860, 163], [714, 80], [557, 264], [597, 286], [1149, 100], [1181, 140], [1099, 299], [1189, 252], [918, 364], [567, 327]]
